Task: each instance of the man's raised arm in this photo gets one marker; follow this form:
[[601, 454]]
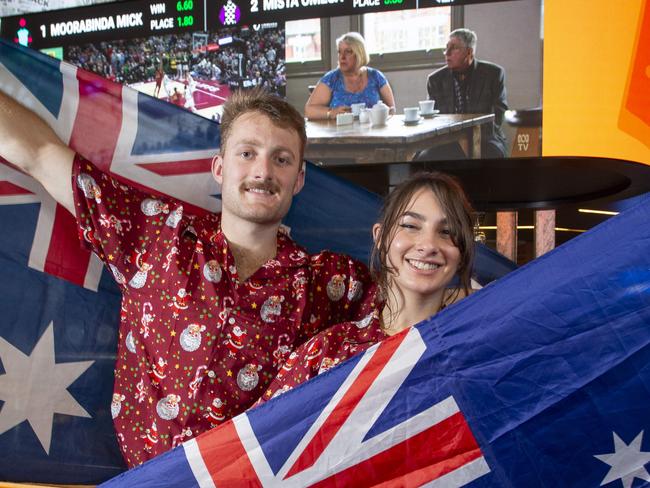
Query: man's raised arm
[[27, 142]]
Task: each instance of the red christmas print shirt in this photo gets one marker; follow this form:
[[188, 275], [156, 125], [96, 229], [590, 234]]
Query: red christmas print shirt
[[327, 349], [196, 345]]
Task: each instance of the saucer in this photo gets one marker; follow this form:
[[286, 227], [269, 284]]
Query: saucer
[[413, 122], [429, 115]]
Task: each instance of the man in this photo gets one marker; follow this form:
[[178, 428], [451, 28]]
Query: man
[[190, 88], [160, 74], [467, 85], [212, 304]]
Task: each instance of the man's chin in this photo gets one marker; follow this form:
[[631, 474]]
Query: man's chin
[[263, 217]]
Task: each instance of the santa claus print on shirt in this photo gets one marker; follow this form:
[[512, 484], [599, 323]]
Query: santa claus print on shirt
[[235, 340], [336, 287], [248, 377], [179, 302], [215, 412], [355, 291], [157, 373], [212, 271], [140, 277], [89, 187], [130, 342], [272, 308], [151, 207], [326, 364], [190, 338], [167, 408], [150, 437], [174, 217], [116, 404]]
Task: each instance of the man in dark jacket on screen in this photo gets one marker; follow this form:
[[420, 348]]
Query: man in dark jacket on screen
[[467, 85]]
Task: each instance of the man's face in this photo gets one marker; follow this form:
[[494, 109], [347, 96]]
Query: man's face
[[457, 55], [259, 170]]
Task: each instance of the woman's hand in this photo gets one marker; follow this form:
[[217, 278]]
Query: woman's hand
[[318, 105], [333, 112]]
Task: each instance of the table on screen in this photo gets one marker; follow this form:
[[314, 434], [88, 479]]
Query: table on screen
[[328, 143]]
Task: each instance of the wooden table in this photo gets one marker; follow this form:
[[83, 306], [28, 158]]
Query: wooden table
[[330, 144]]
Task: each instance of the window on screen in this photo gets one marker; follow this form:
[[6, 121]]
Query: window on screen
[[303, 40], [407, 30], [408, 39], [307, 46]]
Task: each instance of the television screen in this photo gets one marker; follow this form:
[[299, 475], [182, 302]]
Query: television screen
[[194, 53], [195, 70]]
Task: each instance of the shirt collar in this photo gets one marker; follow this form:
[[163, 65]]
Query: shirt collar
[[289, 254]]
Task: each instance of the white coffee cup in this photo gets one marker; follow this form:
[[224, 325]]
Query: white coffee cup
[[426, 106], [411, 114], [364, 116], [356, 108]]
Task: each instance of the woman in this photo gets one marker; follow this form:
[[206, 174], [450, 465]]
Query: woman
[[352, 82], [423, 240]]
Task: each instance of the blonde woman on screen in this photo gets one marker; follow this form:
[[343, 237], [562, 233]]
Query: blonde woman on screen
[[352, 82]]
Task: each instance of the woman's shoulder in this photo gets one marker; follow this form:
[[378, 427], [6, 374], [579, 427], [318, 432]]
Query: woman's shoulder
[[331, 77], [376, 75]]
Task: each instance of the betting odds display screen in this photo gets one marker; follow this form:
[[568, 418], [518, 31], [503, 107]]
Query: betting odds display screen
[[123, 20]]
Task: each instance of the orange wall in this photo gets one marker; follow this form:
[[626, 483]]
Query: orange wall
[[597, 79]]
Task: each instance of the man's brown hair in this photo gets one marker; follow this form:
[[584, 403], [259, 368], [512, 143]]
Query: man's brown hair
[[281, 113]]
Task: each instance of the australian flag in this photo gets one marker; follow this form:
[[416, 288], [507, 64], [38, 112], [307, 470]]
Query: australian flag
[[541, 379], [59, 311]]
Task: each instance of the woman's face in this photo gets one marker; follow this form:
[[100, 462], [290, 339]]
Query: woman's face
[[347, 58], [422, 252]]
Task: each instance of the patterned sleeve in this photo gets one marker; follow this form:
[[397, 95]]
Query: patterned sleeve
[[341, 291], [327, 349], [120, 224]]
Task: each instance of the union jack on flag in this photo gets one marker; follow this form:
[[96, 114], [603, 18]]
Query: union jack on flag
[[149, 144], [349, 441]]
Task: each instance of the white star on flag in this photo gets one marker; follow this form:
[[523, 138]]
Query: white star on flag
[[627, 461], [34, 387]]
